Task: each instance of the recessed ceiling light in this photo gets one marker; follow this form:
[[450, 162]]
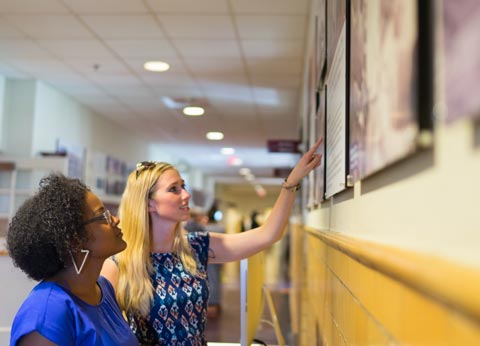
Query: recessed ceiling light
[[156, 66], [227, 151], [193, 111], [215, 136]]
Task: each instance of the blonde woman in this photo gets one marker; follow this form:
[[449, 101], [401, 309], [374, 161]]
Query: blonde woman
[[160, 279]]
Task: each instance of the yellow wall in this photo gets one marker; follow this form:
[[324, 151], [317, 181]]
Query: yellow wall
[[354, 292]]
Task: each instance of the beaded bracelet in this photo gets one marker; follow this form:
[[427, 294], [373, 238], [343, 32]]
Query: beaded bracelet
[[291, 187]]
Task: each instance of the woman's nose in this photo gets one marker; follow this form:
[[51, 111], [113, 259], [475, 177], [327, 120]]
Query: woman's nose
[[186, 194]]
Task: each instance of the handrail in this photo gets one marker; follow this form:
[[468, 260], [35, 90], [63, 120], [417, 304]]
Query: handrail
[[451, 284]]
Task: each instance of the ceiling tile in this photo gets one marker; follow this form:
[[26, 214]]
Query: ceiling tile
[[228, 66], [110, 81], [8, 31], [99, 66], [124, 26], [32, 6], [276, 81], [106, 6], [78, 48], [284, 129], [232, 107], [177, 92], [43, 26], [21, 48], [168, 79], [207, 48], [274, 66], [215, 82], [189, 6], [278, 49], [145, 49], [198, 27], [271, 6], [271, 27], [44, 68], [132, 92]]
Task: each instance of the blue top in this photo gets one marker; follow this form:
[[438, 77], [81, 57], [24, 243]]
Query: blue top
[[65, 319], [179, 311]]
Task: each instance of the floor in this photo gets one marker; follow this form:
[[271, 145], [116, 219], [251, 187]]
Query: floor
[[226, 327]]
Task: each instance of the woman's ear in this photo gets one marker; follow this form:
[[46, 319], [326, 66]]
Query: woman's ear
[[151, 206]]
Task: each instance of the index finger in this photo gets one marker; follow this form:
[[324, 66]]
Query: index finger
[[315, 146]]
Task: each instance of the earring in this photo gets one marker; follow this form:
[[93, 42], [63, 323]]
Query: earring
[[79, 270]]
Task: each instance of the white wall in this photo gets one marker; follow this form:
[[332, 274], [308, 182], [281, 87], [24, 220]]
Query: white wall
[[3, 88], [58, 116], [18, 116]]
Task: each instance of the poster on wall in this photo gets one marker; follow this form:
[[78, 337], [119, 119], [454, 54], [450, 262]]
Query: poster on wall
[[312, 127], [320, 41], [336, 20], [336, 93], [319, 194], [383, 84], [461, 43]]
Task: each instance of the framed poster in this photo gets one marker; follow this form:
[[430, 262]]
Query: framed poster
[[321, 42], [336, 93], [384, 84], [319, 194], [461, 46], [312, 126]]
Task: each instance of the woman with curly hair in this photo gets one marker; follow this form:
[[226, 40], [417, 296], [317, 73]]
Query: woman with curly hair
[[161, 279], [61, 236]]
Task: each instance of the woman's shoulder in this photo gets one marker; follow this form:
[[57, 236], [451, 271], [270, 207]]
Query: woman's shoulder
[[46, 303]]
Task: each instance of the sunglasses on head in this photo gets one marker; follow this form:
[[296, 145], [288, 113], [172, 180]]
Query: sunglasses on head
[[144, 165]]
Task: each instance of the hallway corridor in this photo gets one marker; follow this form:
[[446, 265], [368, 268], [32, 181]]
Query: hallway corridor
[[226, 327]]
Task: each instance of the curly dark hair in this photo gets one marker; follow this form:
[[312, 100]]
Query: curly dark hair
[[48, 226]]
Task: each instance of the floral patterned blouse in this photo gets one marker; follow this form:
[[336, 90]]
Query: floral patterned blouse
[[179, 311]]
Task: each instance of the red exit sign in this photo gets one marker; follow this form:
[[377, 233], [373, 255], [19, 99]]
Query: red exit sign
[[283, 146]]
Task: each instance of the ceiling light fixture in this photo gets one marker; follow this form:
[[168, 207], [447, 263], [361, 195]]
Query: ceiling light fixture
[[227, 151], [193, 111], [156, 66], [215, 136]]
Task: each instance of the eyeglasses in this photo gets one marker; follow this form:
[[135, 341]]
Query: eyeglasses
[[104, 216], [143, 166]]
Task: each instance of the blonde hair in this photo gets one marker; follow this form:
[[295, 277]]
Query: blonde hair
[[135, 290]]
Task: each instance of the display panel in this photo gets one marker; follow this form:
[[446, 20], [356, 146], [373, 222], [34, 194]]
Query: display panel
[[384, 72]]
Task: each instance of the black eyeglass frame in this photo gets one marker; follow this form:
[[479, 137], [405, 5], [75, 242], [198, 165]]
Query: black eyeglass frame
[[106, 215]]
